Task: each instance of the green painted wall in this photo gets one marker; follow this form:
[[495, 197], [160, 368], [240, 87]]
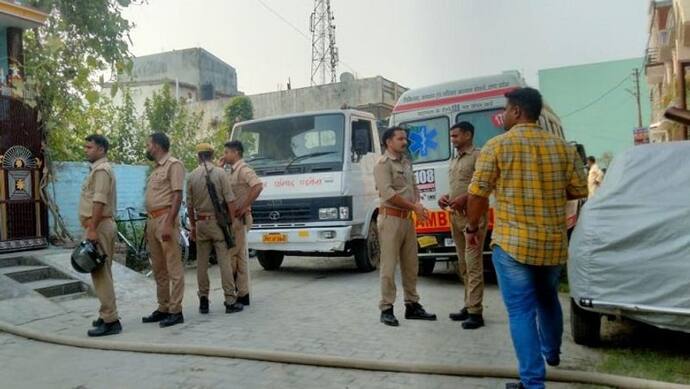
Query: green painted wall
[[603, 121]]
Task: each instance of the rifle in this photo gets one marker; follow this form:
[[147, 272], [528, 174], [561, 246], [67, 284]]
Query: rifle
[[221, 211]]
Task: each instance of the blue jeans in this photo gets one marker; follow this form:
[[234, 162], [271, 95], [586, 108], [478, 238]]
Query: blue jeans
[[530, 294]]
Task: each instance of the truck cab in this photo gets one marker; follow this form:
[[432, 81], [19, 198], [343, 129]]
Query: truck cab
[[319, 196]]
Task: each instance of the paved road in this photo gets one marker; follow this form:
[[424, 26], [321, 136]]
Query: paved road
[[314, 306]]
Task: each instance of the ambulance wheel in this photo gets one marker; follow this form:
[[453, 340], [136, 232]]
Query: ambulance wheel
[[270, 260], [426, 266]]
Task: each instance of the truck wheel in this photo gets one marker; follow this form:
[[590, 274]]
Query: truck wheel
[[270, 260], [426, 266], [367, 252], [585, 326]]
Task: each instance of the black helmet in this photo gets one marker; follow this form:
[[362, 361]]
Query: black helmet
[[86, 257]]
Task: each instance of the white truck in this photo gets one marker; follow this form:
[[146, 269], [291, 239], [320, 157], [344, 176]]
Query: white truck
[[319, 196]]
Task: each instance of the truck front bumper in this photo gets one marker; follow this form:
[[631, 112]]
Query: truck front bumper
[[306, 240]]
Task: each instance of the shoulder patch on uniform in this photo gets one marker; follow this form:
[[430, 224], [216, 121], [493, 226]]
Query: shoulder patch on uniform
[[382, 159]]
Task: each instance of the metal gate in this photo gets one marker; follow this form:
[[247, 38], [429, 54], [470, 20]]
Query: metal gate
[[23, 217]]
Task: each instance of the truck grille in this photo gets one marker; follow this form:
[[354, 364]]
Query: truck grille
[[282, 211], [293, 211]]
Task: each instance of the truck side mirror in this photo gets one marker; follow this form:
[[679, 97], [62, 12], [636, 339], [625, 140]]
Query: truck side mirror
[[361, 142]]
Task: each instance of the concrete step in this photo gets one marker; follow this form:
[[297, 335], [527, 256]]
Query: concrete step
[[69, 297], [24, 274], [53, 287], [20, 269], [18, 261]]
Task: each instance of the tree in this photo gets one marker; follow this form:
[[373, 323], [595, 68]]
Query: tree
[[80, 39], [164, 113], [239, 109], [127, 133]]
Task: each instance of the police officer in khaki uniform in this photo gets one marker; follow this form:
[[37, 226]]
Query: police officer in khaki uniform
[[96, 204], [163, 200], [470, 259], [397, 236], [205, 229], [247, 187]]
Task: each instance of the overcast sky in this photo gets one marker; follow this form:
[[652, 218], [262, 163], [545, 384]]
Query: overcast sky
[[413, 42]]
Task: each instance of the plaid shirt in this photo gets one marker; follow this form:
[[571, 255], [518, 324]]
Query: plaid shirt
[[532, 172]]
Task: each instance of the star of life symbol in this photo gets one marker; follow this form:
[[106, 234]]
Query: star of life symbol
[[422, 140]]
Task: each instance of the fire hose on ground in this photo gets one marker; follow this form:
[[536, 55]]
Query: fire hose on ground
[[481, 371]]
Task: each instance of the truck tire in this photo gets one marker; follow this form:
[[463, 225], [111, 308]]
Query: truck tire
[[366, 251], [426, 266], [270, 260], [585, 326]]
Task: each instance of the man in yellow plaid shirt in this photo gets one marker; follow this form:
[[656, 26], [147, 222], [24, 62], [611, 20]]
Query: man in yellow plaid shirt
[[533, 174]]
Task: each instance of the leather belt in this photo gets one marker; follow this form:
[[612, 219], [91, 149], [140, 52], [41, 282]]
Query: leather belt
[[156, 213], [205, 217], [395, 212]]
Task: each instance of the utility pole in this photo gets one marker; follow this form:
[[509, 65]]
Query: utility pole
[[636, 95], [324, 53]]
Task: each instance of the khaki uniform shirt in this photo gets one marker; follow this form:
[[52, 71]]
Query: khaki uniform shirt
[[242, 178], [594, 179], [197, 192], [98, 187], [394, 176], [167, 177], [461, 170]]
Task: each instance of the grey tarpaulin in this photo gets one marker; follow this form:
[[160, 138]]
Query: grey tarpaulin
[[631, 244]]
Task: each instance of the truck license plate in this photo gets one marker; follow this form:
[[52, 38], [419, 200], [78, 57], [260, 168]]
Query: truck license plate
[[274, 238]]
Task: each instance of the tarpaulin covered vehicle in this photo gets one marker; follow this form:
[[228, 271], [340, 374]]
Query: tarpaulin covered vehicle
[[630, 251]]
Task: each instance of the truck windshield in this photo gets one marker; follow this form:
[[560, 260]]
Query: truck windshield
[[304, 143]]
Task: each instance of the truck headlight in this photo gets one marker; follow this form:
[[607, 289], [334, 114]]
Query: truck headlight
[[344, 213], [328, 213]]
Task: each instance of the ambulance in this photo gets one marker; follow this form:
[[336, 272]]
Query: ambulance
[[427, 115]]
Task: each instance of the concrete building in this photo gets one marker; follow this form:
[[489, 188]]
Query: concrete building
[[193, 75], [595, 104], [667, 65], [376, 95]]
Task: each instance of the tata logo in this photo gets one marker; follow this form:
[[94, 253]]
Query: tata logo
[[274, 215]]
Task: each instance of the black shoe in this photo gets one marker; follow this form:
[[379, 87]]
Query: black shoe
[[244, 300], [515, 385], [171, 320], [106, 329], [234, 307], [473, 322], [460, 316], [97, 322], [555, 361], [155, 317], [203, 304], [388, 318], [414, 311]]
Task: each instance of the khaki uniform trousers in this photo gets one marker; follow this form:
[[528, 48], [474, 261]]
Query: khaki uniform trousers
[[239, 255], [166, 262], [103, 277], [398, 244], [209, 235], [470, 263]]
